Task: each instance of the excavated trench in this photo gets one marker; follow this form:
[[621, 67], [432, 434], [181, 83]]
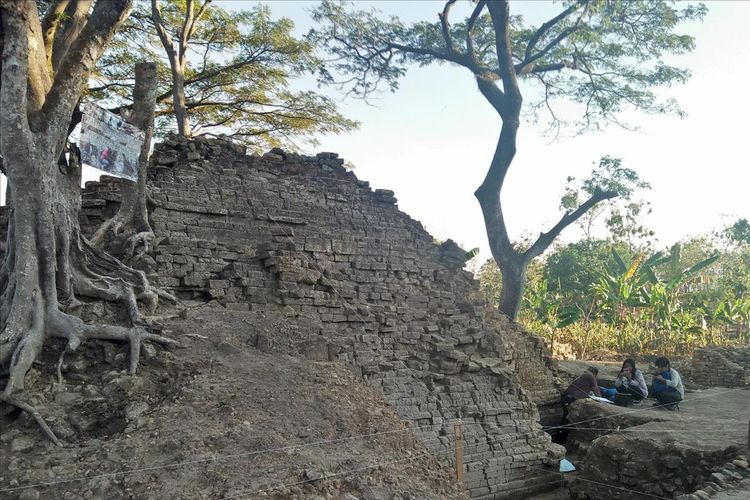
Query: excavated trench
[[647, 452]]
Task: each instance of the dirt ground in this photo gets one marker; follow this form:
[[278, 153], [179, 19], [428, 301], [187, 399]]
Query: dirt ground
[[215, 418]]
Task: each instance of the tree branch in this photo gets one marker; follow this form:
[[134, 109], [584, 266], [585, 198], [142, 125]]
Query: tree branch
[[546, 27], [70, 29], [546, 68], [15, 65], [546, 239], [470, 30], [187, 23], [500, 15], [50, 23], [199, 78], [454, 57], [557, 40], [445, 25], [492, 93], [161, 31], [194, 24], [78, 63], [39, 72]]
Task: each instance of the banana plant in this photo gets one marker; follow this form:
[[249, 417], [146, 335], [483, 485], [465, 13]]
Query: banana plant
[[637, 285], [730, 311], [625, 287]]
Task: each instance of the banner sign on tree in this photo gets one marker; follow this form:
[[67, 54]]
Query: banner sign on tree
[[109, 143]]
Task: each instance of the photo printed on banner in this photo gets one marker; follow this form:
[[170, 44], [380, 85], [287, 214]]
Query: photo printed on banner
[[109, 143]]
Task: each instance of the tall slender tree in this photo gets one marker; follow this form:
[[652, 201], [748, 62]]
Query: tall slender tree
[[221, 72], [194, 10], [604, 55]]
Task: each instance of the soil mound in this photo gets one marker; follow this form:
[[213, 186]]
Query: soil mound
[[217, 418]]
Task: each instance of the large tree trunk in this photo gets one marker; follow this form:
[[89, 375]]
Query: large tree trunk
[[46, 258], [507, 102], [178, 96], [130, 226], [514, 282], [511, 263]]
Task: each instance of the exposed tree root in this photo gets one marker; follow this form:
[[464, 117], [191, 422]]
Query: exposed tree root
[[80, 270], [57, 324], [144, 238], [113, 225], [59, 367], [7, 398], [75, 331], [99, 275]]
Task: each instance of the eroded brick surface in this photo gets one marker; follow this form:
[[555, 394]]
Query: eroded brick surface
[[721, 366]]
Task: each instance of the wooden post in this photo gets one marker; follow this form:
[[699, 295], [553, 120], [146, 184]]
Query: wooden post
[[458, 427]]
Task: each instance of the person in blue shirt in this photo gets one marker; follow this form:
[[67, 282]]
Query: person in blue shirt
[[667, 385]]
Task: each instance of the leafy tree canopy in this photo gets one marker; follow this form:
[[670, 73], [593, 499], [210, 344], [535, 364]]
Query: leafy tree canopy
[[621, 214], [238, 80], [604, 55], [739, 232]]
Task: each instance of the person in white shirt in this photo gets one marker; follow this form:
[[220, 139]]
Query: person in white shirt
[[630, 381]]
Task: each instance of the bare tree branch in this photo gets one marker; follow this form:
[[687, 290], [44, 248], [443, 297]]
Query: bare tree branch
[[555, 42], [470, 30], [161, 31], [445, 25], [194, 23], [546, 239], [527, 58]]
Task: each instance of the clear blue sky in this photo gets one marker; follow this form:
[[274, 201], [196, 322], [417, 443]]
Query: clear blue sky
[[431, 142]]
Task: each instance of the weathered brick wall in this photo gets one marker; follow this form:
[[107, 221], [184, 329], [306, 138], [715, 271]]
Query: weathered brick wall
[[301, 235], [721, 366]]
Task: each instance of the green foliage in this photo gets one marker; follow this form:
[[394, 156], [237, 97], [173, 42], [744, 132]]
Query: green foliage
[[622, 214], [625, 224], [595, 295], [572, 269], [239, 77], [490, 282], [610, 175], [739, 232]]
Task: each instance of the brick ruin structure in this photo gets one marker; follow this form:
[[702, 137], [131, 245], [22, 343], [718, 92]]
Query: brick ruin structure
[[302, 235], [721, 366]]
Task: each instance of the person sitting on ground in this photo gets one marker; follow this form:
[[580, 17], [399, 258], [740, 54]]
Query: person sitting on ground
[[582, 386], [667, 385], [630, 381]]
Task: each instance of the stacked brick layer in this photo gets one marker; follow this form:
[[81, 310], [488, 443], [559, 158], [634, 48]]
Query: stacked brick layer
[[721, 366]]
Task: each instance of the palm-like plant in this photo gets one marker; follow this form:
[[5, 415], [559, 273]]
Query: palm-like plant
[[636, 288]]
